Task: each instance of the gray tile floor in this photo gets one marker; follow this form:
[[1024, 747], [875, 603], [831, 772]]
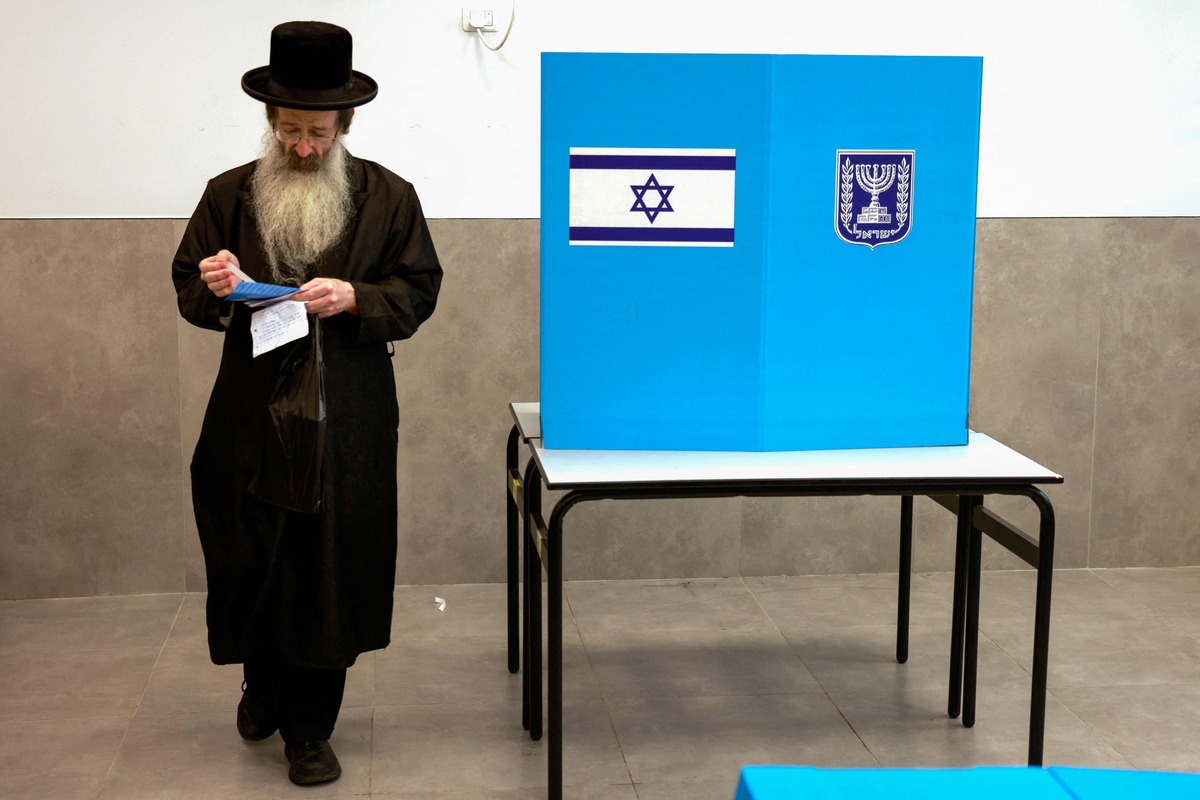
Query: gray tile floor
[[671, 686]]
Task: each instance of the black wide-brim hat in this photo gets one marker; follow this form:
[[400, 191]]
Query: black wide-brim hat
[[310, 70]]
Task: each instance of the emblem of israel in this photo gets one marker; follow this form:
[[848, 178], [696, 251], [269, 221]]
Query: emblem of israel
[[874, 203]]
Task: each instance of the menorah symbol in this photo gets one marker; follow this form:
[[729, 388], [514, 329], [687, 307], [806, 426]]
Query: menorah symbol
[[875, 179]]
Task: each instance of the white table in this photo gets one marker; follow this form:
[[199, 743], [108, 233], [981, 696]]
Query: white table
[[958, 478]]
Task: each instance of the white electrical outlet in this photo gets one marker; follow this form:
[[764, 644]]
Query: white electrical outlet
[[476, 19]]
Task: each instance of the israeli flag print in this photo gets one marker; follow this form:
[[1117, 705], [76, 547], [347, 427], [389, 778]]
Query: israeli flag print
[[664, 197]]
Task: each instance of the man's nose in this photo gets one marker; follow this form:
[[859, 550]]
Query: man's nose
[[303, 148]]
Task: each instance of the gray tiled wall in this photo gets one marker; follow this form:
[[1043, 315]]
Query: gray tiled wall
[[1086, 356]]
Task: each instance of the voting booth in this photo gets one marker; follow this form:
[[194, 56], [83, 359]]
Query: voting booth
[[756, 252]]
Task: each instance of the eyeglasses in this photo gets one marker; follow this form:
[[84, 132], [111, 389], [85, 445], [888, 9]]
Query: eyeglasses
[[293, 137]]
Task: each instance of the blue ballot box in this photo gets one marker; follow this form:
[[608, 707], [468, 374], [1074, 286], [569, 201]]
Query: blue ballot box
[[977, 783], [755, 252]]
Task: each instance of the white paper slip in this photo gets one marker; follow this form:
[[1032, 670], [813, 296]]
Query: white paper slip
[[278, 324], [229, 265]]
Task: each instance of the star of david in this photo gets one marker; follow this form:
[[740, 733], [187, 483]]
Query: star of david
[[650, 185]]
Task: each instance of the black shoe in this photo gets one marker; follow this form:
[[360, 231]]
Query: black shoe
[[255, 716], [312, 762]]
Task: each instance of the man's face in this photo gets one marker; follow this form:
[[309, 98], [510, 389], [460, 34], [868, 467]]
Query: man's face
[[318, 129]]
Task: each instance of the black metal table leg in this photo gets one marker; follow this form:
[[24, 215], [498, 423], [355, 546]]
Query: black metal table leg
[[1041, 627], [905, 589], [954, 702], [533, 635], [514, 546], [971, 646], [554, 586], [527, 570]]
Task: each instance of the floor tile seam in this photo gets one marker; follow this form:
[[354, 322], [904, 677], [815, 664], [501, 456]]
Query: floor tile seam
[[714, 581], [1179, 625], [430, 639], [1058, 619], [178, 614], [116, 754], [1107, 686], [200, 648], [7, 719], [58, 651], [374, 681], [1071, 617], [1125, 594], [145, 687], [761, 608], [100, 597], [854, 730], [391, 794], [983, 635], [1051, 691], [171, 712], [699, 602], [483, 705], [889, 626], [717, 693], [399, 587], [1175, 568], [828, 575], [587, 655], [1067, 687], [612, 725], [656, 582], [825, 691], [799, 589], [790, 645], [371, 755], [803, 693], [758, 627], [488, 705], [1169, 627]]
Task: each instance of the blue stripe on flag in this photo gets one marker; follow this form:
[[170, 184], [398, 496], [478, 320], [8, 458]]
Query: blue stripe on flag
[[652, 162], [587, 234]]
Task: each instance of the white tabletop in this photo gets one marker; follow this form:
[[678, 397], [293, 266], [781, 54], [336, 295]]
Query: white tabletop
[[981, 460], [528, 417]]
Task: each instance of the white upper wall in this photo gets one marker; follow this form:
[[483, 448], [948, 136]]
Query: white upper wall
[[126, 109]]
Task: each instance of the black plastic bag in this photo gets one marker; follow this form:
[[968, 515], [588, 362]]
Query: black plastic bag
[[289, 475]]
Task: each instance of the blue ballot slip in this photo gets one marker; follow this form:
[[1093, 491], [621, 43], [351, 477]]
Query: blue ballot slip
[[756, 252], [251, 290]]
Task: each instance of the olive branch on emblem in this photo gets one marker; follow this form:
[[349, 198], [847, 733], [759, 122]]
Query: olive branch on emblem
[[902, 178], [847, 200]]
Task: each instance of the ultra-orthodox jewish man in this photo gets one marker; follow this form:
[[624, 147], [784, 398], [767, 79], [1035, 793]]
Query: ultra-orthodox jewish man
[[294, 474]]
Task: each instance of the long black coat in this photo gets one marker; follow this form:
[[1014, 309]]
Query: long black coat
[[314, 589]]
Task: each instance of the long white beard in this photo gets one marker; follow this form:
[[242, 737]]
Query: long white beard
[[300, 214]]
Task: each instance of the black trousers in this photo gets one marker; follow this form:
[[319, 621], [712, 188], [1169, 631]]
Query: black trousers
[[307, 700]]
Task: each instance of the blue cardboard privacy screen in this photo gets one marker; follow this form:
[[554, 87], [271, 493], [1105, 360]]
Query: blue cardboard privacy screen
[[743, 252]]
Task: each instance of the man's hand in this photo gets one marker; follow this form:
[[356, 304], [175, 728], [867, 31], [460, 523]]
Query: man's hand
[[327, 296], [215, 272]]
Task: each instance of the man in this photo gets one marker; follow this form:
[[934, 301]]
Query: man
[[295, 597]]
